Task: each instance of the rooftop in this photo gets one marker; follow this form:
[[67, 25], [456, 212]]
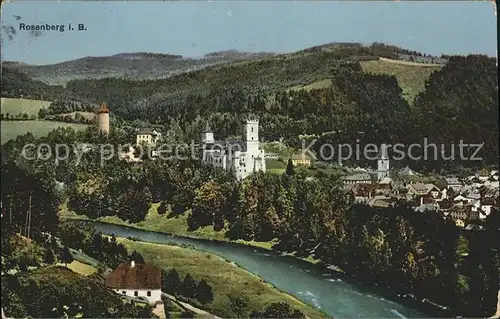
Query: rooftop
[[103, 108], [147, 130], [358, 177], [138, 276]]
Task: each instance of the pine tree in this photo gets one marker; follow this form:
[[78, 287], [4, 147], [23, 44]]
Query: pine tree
[[289, 167], [171, 282], [65, 256], [49, 257], [188, 287], [204, 293]]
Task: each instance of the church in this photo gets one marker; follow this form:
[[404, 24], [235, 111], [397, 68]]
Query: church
[[242, 157]]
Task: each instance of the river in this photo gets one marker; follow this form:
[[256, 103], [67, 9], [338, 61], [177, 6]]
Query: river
[[315, 285]]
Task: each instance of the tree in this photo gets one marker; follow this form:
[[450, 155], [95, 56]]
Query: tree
[[208, 203], [239, 305], [49, 257], [186, 314], [65, 256], [188, 288], [289, 167], [167, 306], [204, 292], [278, 310], [171, 282], [137, 257]]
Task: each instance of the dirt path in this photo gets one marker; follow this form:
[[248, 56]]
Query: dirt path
[[189, 307]]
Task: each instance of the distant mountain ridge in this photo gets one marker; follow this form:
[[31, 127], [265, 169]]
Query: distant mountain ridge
[[134, 66]]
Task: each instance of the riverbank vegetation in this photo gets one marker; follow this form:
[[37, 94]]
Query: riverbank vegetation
[[225, 278]]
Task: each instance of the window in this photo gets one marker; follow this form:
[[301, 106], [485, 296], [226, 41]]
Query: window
[[124, 292], [149, 293], [136, 293], [252, 138], [252, 129]]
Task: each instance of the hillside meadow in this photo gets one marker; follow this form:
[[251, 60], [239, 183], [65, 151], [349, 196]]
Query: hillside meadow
[[19, 106], [411, 76], [11, 129]]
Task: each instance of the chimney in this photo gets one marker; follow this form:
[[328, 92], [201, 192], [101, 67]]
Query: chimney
[[132, 264]]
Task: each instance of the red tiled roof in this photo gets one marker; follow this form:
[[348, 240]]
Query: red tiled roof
[[103, 108], [141, 276]]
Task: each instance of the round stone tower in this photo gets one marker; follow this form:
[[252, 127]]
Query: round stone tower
[[103, 118]]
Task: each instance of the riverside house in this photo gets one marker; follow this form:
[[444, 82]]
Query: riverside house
[[136, 280]]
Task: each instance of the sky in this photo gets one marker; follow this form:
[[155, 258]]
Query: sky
[[194, 28]]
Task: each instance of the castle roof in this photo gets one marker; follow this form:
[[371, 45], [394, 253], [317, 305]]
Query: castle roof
[[207, 129], [103, 108], [146, 131]]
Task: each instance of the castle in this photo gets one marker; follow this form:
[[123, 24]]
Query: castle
[[242, 158], [103, 118]]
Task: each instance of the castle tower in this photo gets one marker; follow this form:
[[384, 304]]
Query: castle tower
[[382, 163], [103, 118], [207, 137], [251, 134]]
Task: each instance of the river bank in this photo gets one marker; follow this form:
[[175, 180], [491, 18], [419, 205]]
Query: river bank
[[334, 293], [225, 277]]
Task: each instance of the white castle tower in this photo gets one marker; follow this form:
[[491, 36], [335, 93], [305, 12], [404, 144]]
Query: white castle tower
[[254, 155], [382, 163], [251, 133], [103, 118], [207, 137]]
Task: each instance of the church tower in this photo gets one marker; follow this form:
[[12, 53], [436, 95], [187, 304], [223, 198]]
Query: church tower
[[103, 118], [382, 163]]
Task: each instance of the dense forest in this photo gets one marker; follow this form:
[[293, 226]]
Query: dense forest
[[460, 102]]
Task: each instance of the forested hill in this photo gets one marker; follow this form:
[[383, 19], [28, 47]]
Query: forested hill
[[137, 66]]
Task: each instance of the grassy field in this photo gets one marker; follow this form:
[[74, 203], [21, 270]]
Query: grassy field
[[225, 278], [19, 106], [86, 115], [80, 268], [411, 76], [11, 129]]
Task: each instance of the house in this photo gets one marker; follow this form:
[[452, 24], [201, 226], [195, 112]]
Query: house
[[147, 136], [362, 178], [463, 212], [419, 189], [363, 193], [483, 175], [454, 183], [494, 175], [380, 201], [474, 227], [485, 209], [459, 223], [273, 156], [242, 158], [301, 159], [136, 280]]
